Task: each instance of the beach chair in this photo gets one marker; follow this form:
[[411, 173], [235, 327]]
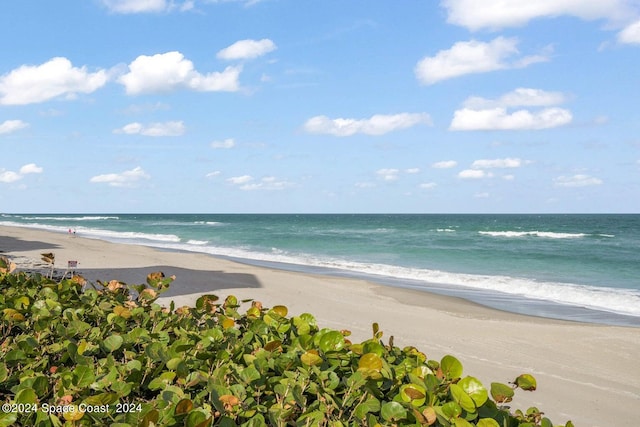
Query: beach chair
[[71, 268]]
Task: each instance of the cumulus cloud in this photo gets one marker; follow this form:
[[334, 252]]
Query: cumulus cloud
[[493, 114], [9, 126], [268, 183], [496, 14], [579, 180], [474, 174], [445, 164], [247, 49], [428, 185], [473, 57], [388, 174], [499, 119], [172, 128], [497, 163], [378, 124], [520, 97], [30, 168], [30, 84], [128, 178], [630, 34], [169, 71], [227, 143], [136, 6], [8, 177]]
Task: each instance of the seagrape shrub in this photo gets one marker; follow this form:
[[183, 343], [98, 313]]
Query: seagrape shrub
[[109, 355]]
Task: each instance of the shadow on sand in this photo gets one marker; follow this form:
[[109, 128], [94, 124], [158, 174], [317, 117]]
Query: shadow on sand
[[187, 281], [11, 244]]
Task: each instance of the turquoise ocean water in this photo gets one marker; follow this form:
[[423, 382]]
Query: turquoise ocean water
[[577, 267]]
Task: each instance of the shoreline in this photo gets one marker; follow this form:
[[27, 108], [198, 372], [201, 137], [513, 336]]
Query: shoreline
[[586, 372]]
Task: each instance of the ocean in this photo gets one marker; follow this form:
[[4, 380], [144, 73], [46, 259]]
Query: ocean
[[574, 267]]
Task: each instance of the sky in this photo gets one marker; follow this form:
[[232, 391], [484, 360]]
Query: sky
[[333, 106]]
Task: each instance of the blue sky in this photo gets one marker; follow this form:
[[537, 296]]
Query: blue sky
[[333, 106]]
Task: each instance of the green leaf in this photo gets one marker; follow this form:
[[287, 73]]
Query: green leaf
[[451, 410], [8, 419], [370, 405], [487, 422], [370, 362], [331, 341], [526, 382], [83, 376], [27, 396], [462, 398], [451, 367], [501, 393], [474, 388], [310, 358], [393, 411], [112, 343]]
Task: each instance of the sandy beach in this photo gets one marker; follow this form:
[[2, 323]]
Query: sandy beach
[[587, 373]]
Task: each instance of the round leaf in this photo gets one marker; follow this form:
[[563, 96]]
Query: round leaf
[[526, 382], [331, 341], [451, 367], [112, 343], [370, 362], [281, 310], [487, 422], [73, 413], [501, 393], [474, 388], [393, 411], [462, 398]]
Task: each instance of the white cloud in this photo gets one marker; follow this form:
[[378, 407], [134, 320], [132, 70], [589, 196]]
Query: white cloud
[[269, 183], [247, 49], [474, 174], [227, 143], [9, 126], [497, 163], [483, 195], [630, 34], [495, 14], [168, 71], [499, 119], [520, 97], [172, 128], [238, 180], [378, 124], [472, 57], [30, 84], [213, 174], [11, 176], [136, 6], [445, 164], [30, 168], [388, 174], [428, 185], [124, 179], [579, 180], [412, 170]]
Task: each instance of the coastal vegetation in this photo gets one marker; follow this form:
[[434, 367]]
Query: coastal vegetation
[[80, 354]]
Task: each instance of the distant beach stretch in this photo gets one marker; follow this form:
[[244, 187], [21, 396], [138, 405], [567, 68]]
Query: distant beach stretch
[[586, 372]]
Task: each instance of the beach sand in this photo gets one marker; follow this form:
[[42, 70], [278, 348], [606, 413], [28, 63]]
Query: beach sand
[[587, 373]]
